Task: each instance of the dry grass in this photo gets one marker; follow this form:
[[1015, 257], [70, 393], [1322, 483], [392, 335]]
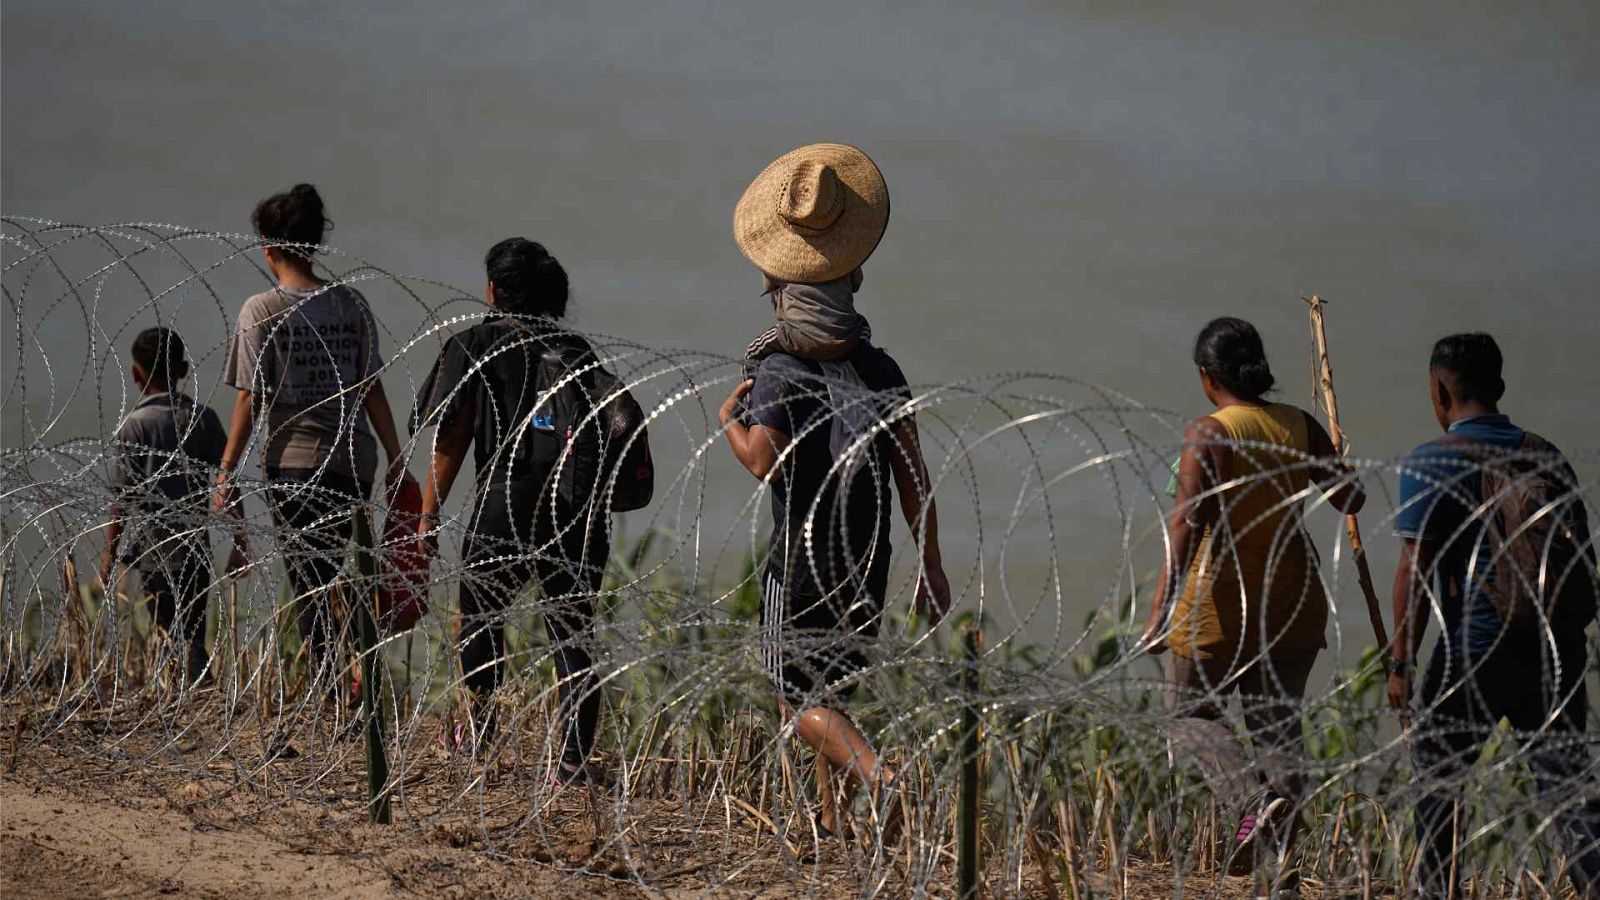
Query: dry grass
[[711, 799]]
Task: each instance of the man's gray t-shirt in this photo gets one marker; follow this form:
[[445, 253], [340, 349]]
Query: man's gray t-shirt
[[306, 356], [162, 463]]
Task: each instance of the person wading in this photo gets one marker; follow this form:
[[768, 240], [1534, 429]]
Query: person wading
[[516, 389], [1250, 609], [161, 463], [305, 361], [822, 421], [1495, 543]]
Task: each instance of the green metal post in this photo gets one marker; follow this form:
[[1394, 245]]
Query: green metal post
[[967, 835], [371, 668]]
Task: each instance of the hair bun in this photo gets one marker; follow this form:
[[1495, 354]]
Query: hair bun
[[1230, 351], [307, 194], [527, 280], [1255, 377], [295, 216]]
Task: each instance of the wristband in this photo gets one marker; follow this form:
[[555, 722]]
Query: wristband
[[1397, 666]]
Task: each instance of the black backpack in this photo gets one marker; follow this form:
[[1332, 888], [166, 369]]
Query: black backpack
[[604, 444], [584, 431], [628, 468], [1537, 531]]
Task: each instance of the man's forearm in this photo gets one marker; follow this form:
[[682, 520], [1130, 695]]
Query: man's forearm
[[1400, 607], [738, 437], [444, 471], [917, 506], [915, 490], [449, 454], [1400, 646], [1406, 605], [928, 515], [757, 449]]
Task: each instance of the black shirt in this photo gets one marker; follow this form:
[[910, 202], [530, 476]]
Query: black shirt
[[163, 460], [496, 364], [827, 535]]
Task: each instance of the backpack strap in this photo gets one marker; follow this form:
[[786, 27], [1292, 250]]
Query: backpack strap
[[1532, 443]]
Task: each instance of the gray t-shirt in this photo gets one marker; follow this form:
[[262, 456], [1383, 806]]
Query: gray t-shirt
[[306, 356], [162, 462]]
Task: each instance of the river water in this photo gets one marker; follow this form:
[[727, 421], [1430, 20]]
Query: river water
[[1076, 190]]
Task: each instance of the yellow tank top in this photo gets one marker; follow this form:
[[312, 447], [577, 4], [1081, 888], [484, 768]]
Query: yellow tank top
[[1253, 589]]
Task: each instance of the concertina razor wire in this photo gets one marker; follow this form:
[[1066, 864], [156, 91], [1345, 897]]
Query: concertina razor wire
[[1052, 492]]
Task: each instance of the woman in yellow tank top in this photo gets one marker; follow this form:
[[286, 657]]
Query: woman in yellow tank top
[[1251, 609]]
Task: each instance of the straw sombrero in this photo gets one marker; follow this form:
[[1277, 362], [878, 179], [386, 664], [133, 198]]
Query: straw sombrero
[[815, 214]]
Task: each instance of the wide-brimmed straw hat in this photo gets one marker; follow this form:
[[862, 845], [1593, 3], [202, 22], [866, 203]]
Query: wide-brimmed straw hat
[[815, 214]]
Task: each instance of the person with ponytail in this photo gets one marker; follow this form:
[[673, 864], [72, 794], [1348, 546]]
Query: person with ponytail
[[305, 361], [495, 390], [160, 471], [1250, 610]]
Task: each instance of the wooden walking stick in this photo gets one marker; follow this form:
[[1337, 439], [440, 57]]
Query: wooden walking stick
[[1352, 527]]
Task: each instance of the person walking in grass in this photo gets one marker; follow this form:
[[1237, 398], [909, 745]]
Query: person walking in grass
[[821, 421], [1240, 605], [305, 360], [162, 460], [1495, 545], [518, 390]]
